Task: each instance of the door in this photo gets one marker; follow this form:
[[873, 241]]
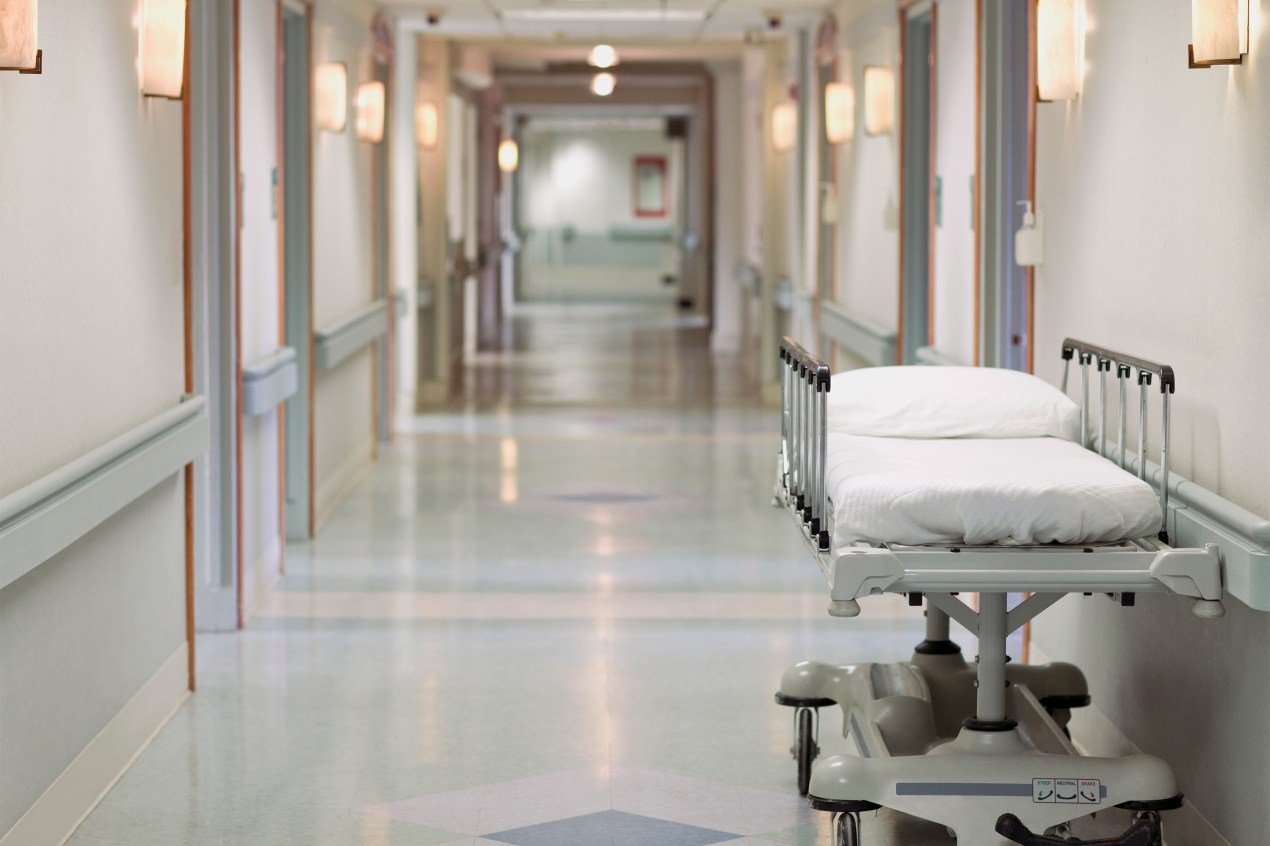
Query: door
[[1005, 162], [916, 235], [297, 283]]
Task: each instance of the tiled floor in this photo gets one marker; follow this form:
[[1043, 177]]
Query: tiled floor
[[553, 615]]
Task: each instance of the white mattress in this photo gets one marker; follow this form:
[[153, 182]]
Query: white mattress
[[982, 491]]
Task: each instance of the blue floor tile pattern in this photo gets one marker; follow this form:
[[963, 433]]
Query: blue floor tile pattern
[[612, 828]]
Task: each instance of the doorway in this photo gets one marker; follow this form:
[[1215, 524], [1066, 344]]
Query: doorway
[[297, 280], [917, 146]]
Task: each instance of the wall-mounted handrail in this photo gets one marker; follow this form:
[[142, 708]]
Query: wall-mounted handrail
[[338, 340], [41, 519], [857, 334], [933, 357], [269, 381]]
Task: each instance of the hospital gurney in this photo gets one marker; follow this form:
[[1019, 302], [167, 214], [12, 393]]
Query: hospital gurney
[[981, 750]]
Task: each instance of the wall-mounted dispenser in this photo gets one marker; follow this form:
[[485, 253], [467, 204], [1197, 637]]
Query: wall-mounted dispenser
[[1029, 240]]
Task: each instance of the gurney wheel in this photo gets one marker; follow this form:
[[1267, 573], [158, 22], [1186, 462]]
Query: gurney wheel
[[848, 830], [805, 748]]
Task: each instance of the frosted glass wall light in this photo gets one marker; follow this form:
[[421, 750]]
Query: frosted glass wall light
[[19, 21], [784, 126], [508, 156], [879, 100], [370, 112], [1219, 32], [602, 56], [427, 125], [1058, 55], [839, 113], [602, 84], [331, 82], [162, 48]]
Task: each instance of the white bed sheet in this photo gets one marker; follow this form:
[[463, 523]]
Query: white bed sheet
[[982, 491]]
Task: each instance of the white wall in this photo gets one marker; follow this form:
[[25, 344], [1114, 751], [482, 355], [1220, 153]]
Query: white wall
[[342, 263], [259, 304], [728, 220], [91, 344], [1153, 186], [868, 171], [954, 296], [581, 178]]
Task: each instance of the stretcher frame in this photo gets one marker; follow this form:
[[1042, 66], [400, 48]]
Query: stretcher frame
[[936, 777]]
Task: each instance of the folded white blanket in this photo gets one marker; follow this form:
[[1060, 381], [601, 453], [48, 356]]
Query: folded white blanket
[[982, 491]]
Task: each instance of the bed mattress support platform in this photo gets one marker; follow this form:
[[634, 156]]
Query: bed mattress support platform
[[981, 748]]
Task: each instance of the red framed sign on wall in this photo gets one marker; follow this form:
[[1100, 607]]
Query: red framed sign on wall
[[650, 189]]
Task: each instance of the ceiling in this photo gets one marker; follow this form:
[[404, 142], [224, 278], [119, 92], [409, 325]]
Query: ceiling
[[619, 22]]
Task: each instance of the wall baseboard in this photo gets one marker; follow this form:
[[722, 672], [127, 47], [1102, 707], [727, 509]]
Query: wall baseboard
[[1093, 733], [82, 785], [332, 490]]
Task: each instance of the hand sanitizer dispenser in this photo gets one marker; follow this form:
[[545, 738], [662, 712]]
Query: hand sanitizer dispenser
[[1029, 240]]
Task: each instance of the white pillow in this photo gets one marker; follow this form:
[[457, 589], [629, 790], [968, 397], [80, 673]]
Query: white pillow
[[949, 402]]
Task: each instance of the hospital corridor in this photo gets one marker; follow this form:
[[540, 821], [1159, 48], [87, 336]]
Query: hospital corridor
[[634, 423]]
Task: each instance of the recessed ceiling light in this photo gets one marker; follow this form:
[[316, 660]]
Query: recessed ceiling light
[[602, 84], [602, 56]]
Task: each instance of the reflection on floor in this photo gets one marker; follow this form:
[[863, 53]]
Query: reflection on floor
[[553, 614]]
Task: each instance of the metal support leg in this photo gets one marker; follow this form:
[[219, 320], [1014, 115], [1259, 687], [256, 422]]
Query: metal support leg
[[990, 700]]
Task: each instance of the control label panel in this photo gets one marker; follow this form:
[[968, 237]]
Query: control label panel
[[1071, 791]]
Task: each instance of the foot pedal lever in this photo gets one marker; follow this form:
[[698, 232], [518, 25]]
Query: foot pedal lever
[[1144, 832]]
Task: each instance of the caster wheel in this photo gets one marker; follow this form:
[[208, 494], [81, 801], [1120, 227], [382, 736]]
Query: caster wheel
[[805, 748], [848, 833]]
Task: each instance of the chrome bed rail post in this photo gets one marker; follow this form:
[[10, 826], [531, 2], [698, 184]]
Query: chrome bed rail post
[[806, 440], [822, 388], [1084, 399], [784, 479], [1122, 375], [1144, 379], [1164, 463], [796, 425], [1104, 367]]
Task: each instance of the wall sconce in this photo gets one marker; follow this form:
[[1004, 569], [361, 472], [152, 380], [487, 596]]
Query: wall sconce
[[508, 156], [1058, 38], [879, 100], [163, 48], [602, 84], [839, 113], [331, 81], [427, 125], [370, 112], [1219, 32], [19, 25], [784, 126], [602, 56]]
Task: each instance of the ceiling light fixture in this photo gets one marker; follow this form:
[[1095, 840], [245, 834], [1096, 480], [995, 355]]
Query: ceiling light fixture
[[602, 84], [602, 56]]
